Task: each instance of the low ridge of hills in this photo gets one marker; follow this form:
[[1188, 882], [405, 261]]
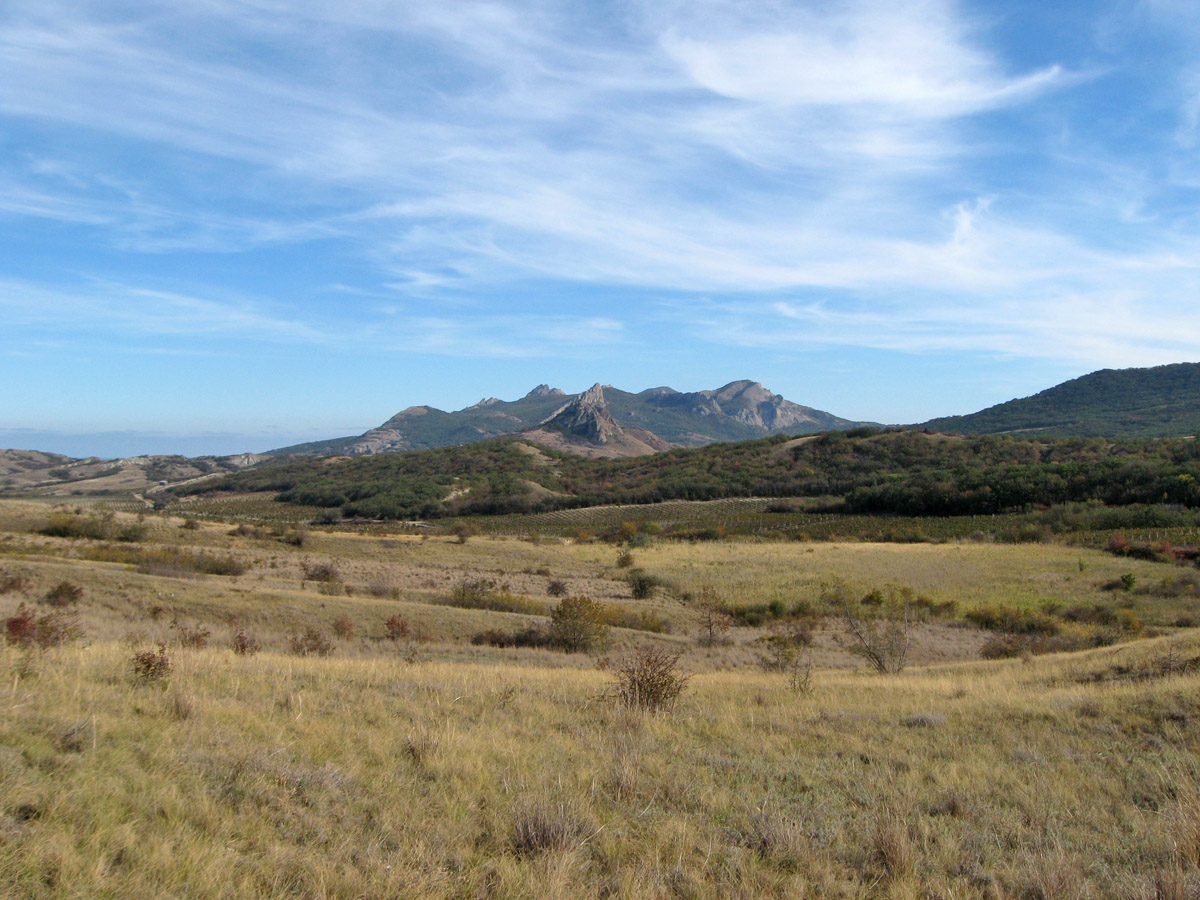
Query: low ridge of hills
[[33, 471], [1163, 401], [633, 424]]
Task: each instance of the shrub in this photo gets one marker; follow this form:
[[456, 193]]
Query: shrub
[[482, 593], [1005, 646], [151, 665], [294, 537], [577, 623], [68, 525], [190, 525], [542, 826], [715, 620], [178, 563], [131, 533], [11, 582], [325, 572], [1012, 619], [650, 680], [781, 649], [624, 558], [343, 627], [192, 636], [638, 620], [381, 588], [245, 644], [643, 585], [65, 593], [26, 628], [311, 643], [525, 637], [556, 588], [881, 637], [396, 629]]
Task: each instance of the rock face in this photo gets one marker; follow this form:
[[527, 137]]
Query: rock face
[[585, 417]]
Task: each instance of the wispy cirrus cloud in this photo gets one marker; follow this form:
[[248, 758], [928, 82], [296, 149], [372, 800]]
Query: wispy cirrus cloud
[[554, 180]]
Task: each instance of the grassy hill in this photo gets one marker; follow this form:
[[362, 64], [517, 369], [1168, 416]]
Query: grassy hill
[[1158, 402], [427, 765]]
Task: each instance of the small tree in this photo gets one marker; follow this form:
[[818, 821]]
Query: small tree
[[879, 633], [715, 619], [577, 623]]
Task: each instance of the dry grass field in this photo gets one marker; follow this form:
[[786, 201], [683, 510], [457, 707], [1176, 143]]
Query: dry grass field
[[428, 766]]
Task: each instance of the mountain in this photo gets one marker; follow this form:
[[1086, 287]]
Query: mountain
[[659, 418], [1163, 401], [585, 426]]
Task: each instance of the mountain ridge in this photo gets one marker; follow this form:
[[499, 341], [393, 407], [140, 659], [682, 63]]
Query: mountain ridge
[[660, 418]]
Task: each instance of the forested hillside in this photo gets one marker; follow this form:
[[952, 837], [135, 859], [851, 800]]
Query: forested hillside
[[1159, 402], [864, 470]]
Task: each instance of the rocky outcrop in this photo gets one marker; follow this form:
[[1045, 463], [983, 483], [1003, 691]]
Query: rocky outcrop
[[544, 390], [585, 417]]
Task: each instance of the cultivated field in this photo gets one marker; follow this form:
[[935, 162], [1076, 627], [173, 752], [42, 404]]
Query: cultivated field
[[411, 762]]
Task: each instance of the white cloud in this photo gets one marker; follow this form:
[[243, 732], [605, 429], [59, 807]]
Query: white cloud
[[779, 149]]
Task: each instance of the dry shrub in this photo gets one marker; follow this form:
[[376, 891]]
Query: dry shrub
[[381, 588], [650, 680], [893, 845], [194, 637], [525, 637], [245, 644], [151, 665], [11, 582], [28, 629], [343, 627], [397, 629], [541, 826], [76, 737], [311, 643], [65, 593], [556, 588], [177, 563], [325, 572]]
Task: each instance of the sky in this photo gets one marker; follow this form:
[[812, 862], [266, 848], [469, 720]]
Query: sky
[[232, 225]]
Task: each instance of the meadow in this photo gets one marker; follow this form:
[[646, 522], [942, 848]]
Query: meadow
[[387, 762]]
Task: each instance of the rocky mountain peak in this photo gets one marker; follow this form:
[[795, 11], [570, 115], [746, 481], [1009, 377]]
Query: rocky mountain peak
[[544, 390], [586, 416]]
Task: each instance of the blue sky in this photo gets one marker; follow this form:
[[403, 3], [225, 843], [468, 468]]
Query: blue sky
[[229, 225]]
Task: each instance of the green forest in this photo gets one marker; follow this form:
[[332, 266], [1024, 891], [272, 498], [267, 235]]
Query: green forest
[[865, 470]]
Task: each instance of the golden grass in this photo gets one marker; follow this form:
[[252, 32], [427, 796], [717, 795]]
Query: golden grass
[[440, 769], [275, 776]]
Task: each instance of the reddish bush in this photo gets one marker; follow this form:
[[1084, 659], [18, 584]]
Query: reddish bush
[[397, 629], [29, 629]]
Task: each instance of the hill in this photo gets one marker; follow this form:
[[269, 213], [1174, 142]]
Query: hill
[[738, 411], [38, 473], [894, 471], [1163, 401]]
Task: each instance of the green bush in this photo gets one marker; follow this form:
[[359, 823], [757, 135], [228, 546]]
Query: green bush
[[578, 624]]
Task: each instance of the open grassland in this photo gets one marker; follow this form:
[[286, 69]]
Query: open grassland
[[411, 762], [273, 776]]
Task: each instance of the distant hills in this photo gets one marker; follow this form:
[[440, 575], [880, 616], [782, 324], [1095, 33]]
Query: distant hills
[[602, 421], [1163, 401], [606, 423]]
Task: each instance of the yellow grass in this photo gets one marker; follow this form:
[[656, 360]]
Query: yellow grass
[[440, 769]]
